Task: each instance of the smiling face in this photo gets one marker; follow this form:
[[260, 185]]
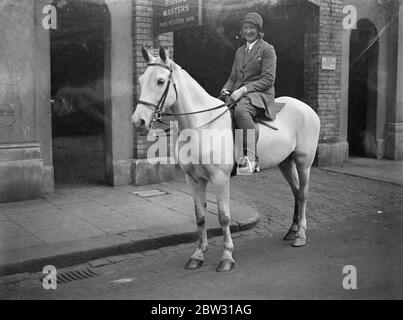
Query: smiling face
[[250, 32]]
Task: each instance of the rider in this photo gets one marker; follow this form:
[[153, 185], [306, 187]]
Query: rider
[[251, 85]]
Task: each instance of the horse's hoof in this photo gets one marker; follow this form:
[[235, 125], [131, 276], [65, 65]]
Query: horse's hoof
[[290, 235], [225, 265], [299, 242], [193, 264]]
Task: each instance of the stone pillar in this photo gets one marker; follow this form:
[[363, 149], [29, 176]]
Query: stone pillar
[[143, 172], [394, 125], [383, 92], [119, 94], [43, 95], [21, 164]]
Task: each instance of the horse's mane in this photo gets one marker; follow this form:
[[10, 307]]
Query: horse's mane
[[192, 91]]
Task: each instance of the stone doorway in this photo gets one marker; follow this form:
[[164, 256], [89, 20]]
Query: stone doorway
[[79, 57], [363, 84]]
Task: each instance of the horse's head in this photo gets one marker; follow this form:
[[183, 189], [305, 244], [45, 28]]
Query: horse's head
[[157, 89]]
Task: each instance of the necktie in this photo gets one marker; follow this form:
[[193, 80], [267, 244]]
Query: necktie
[[246, 53]]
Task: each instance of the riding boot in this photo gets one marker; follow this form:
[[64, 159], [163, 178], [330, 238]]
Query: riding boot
[[249, 163]]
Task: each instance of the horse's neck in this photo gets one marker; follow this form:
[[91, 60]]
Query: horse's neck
[[192, 98]]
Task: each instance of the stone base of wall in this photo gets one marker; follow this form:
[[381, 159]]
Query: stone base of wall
[[21, 172], [380, 149], [48, 179], [330, 154], [394, 141], [149, 171], [121, 174]]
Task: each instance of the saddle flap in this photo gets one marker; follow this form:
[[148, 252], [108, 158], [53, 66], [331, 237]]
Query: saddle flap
[[278, 107]]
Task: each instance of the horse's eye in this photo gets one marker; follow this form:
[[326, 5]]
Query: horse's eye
[[161, 82]]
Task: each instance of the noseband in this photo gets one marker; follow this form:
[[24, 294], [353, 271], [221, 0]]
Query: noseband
[[158, 108]]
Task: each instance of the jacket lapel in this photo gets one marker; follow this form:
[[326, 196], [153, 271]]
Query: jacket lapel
[[251, 54], [242, 57]]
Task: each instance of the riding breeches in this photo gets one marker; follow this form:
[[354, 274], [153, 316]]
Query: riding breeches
[[243, 115]]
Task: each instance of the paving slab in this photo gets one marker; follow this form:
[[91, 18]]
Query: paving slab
[[390, 171], [9, 229], [14, 208], [116, 223], [4, 217], [18, 242], [64, 197], [77, 225]]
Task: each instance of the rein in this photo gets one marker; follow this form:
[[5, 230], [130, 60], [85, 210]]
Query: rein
[[158, 108]]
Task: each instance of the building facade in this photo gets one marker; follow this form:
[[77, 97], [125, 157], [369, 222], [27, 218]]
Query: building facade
[[69, 70]]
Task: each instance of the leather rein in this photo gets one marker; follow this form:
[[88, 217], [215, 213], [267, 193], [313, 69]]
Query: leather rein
[[159, 107]]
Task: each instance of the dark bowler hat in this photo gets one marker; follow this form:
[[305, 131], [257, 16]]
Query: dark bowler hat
[[254, 18]]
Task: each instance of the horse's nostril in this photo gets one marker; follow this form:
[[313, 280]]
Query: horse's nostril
[[142, 123]]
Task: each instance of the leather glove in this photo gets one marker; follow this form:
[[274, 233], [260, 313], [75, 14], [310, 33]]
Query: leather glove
[[224, 95], [238, 94]]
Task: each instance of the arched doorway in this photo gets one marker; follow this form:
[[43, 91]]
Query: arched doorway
[[79, 64], [363, 83]]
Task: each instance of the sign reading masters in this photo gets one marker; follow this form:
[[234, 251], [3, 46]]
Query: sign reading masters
[[173, 15]]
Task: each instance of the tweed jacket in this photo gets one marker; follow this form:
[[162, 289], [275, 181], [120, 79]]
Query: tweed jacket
[[257, 72]]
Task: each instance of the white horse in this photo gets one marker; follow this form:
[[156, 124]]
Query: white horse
[[165, 85]]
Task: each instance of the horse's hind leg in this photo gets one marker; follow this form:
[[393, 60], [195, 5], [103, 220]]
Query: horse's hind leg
[[303, 175], [289, 171], [199, 196]]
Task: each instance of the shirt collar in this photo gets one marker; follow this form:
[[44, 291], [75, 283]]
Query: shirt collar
[[250, 46]]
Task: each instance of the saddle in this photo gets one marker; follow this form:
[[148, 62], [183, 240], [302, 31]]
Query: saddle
[[263, 120], [266, 121]]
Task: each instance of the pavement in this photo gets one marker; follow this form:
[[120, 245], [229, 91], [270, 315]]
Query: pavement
[[80, 224], [379, 170]]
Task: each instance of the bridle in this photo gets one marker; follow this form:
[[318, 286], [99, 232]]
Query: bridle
[[159, 107]]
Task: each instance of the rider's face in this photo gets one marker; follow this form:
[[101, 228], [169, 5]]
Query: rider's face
[[250, 32]]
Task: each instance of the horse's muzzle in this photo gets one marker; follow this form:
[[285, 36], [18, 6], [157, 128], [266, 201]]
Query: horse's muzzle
[[139, 124]]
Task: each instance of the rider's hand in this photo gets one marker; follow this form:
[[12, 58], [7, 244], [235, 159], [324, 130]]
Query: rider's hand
[[238, 94], [225, 92]]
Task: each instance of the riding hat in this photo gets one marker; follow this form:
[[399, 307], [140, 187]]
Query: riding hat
[[254, 18]]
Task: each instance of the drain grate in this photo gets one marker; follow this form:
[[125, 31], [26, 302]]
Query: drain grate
[[74, 275]]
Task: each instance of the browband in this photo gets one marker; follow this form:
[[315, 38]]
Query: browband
[[159, 65]]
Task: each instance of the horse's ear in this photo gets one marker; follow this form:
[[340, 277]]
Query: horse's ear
[[163, 54], [146, 55]]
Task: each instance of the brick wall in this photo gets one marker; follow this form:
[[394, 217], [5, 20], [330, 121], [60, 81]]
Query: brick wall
[[143, 35], [311, 56], [323, 88], [329, 82]]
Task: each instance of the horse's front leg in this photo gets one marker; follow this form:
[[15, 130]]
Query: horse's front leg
[[199, 196], [221, 188]]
